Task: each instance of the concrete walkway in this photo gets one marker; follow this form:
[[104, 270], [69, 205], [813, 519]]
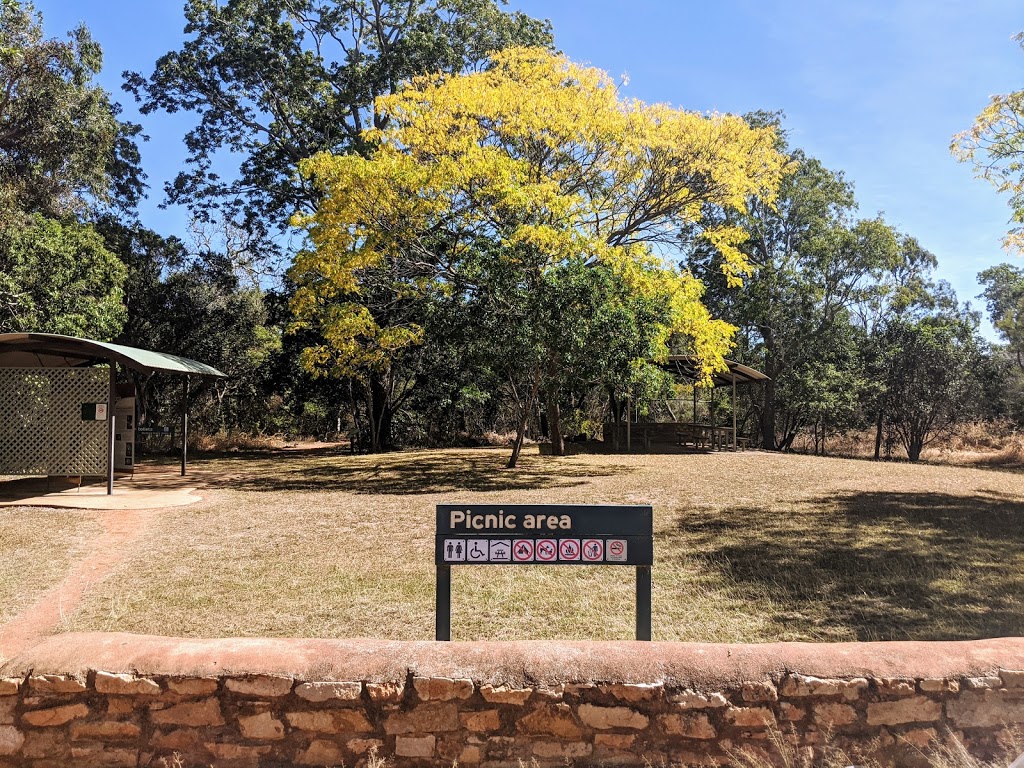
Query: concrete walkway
[[150, 487]]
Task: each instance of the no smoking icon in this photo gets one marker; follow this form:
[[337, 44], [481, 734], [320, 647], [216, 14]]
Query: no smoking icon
[[616, 551]]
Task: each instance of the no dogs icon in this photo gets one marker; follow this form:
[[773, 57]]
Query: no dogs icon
[[547, 550]]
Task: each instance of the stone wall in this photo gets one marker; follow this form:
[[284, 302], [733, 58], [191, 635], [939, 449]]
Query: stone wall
[[126, 700]]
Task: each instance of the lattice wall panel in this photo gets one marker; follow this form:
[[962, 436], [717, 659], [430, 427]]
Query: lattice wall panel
[[41, 426]]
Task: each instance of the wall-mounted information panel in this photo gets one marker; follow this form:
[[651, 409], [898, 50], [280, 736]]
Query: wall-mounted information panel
[[124, 435], [544, 534]]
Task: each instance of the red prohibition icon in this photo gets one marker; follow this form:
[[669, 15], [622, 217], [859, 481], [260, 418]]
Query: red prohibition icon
[[568, 549], [593, 550], [546, 550], [522, 551], [616, 548]]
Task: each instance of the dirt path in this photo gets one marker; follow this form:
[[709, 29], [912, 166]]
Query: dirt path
[[122, 527]]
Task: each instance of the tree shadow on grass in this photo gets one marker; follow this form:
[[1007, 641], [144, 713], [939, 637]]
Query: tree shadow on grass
[[874, 565], [421, 472]]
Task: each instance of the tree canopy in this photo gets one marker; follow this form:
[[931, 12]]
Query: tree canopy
[[491, 238], [994, 145], [62, 148], [65, 161], [277, 81], [539, 162]]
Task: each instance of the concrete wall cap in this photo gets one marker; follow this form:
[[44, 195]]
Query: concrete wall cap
[[514, 664]]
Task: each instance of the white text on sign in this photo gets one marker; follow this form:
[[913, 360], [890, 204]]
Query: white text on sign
[[471, 521]]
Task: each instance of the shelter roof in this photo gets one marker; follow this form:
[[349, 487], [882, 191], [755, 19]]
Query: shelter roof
[[685, 366], [47, 350]]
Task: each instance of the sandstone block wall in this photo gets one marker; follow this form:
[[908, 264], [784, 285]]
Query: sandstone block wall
[[123, 700]]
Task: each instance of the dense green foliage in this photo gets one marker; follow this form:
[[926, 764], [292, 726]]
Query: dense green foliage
[[521, 322], [842, 313], [58, 278], [276, 81], [62, 148], [64, 157]]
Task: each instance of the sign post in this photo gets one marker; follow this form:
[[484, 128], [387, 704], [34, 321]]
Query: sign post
[[543, 534]]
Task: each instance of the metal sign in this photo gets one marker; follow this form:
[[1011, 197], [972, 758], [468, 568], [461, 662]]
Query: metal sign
[[156, 431], [94, 411], [544, 534]]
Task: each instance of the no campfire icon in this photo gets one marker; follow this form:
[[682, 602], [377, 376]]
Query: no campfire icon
[[569, 549]]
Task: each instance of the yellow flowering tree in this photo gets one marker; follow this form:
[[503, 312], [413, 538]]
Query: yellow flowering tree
[[994, 145], [540, 163]]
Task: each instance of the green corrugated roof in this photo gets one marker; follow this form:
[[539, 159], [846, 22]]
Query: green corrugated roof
[[51, 350]]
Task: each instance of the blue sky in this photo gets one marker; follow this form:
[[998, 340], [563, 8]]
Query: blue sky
[[874, 88]]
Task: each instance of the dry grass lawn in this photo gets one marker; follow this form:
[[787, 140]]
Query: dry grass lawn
[[748, 547], [37, 547]]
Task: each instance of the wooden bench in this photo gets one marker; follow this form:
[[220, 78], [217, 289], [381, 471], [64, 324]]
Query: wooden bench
[[690, 435]]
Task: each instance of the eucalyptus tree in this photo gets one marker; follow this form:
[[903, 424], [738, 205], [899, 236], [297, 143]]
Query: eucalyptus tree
[[273, 82], [63, 150], [994, 145], [65, 161], [935, 383], [815, 265]]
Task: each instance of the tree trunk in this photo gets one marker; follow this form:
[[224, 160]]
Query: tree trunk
[[381, 416], [914, 449], [555, 422], [517, 446], [353, 437], [616, 409], [878, 432], [524, 418], [371, 416], [772, 367]]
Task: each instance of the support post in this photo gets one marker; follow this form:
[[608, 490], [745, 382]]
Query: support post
[[643, 602], [629, 425], [735, 445], [184, 427], [443, 604], [111, 398]]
